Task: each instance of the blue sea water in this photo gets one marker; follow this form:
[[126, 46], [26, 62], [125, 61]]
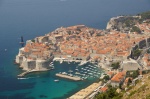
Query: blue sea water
[[31, 18]]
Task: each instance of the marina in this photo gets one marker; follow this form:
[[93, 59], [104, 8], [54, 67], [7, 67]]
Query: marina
[[77, 73]]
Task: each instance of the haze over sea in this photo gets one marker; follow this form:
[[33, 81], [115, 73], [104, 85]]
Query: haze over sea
[[31, 18]]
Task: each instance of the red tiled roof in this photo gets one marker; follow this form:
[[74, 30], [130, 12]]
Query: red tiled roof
[[104, 89], [118, 77]]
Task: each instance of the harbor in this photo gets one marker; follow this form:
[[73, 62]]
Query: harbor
[[78, 72], [33, 18], [74, 71], [81, 70]]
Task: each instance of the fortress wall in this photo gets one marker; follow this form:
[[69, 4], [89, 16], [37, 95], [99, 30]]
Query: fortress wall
[[28, 42], [19, 59], [24, 65], [28, 64], [42, 64], [21, 51], [44, 39], [31, 65]]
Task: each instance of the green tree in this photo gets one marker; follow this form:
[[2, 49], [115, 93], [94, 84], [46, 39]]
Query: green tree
[[33, 40], [136, 29], [106, 78], [135, 74], [110, 94], [145, 15], [136, 53], [115, 65]]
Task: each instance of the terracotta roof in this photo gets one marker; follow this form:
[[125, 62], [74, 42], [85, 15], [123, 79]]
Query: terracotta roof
[[118, 76], [103, 89]]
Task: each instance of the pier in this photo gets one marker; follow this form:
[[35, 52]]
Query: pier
[[30, 71], [24, 73], [68, 77]]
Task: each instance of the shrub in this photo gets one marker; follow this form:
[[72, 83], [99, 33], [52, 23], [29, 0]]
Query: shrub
[[115, 65], [136, 29], [132, 93]]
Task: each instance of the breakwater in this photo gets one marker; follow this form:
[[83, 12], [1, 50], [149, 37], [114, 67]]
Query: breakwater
[[68, 77]]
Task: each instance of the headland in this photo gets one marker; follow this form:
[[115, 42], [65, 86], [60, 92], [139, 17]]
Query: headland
[[82, 43]]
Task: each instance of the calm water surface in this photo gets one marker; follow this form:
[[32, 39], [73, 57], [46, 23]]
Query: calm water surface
[[31, 18]]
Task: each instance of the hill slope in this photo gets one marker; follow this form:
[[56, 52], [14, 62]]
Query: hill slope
[[141, 90]]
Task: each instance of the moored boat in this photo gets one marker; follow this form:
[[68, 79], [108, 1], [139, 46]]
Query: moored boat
[[56, 80]]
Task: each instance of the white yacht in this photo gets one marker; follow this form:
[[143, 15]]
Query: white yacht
[[56, 80], [76, 69], [70, 71], [70, 75], [77, 73], [64, 73], [52, 67], [23, 78]]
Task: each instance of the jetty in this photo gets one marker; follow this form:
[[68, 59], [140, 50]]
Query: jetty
[[24, 73], [68, 77], [30, 71]]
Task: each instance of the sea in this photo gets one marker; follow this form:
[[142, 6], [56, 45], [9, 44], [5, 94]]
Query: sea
[[32, 18]]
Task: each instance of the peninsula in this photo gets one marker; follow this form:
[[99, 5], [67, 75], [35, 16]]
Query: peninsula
[[81, 43]]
